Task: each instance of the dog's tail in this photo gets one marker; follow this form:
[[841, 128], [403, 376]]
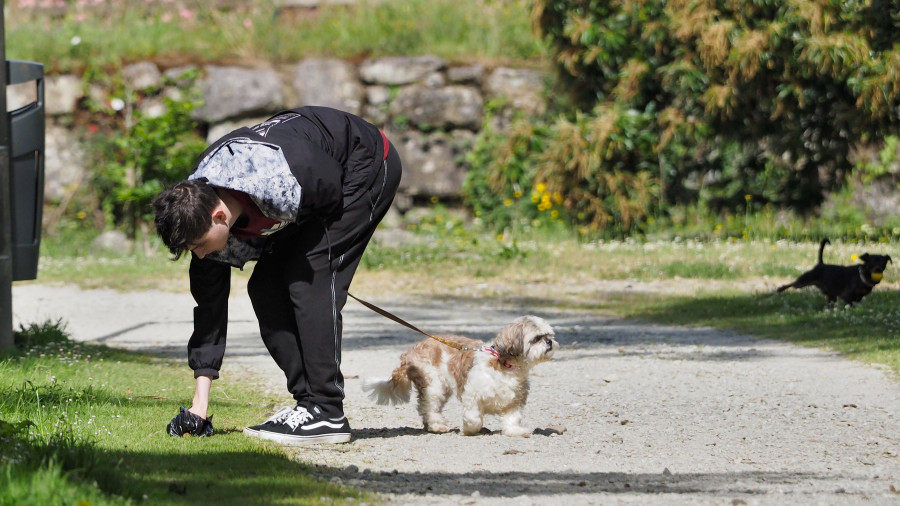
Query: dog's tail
[[822, 248], [394, 390]]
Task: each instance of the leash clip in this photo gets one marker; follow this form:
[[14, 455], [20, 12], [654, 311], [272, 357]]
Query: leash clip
[[505, 363]]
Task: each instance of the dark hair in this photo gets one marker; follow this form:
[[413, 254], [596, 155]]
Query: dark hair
[[184, 214]]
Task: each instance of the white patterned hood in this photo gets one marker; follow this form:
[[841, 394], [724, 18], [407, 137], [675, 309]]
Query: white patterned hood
[[258, 169]]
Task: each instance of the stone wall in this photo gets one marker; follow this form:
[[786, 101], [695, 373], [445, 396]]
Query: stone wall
[[430, 109]]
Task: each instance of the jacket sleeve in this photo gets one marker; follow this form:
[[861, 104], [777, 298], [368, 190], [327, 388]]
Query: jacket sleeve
[[210, 285]]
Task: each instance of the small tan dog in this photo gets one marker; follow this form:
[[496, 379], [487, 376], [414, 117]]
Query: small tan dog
[[488, 379]]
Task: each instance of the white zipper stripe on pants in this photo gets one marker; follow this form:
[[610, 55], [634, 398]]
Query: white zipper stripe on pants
[[334, 315], [334, 329]]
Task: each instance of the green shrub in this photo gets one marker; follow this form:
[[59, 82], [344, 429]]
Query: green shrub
[[756, 98], [568, 172], [887, 164], [598, 164], [142, 154], [501, 186]]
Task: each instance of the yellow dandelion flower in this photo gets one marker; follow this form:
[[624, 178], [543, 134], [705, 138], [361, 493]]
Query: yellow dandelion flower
[[507, 202], [541, 187], [748, 197], [499, 237], [434, 200], [81, 215], [517, 194]]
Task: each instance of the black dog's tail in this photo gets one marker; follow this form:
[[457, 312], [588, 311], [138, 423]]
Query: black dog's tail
[[822, 248]]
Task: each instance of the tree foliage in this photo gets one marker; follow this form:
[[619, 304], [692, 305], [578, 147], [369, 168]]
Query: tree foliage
[[682, 101]]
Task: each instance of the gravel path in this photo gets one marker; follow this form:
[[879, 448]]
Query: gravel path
[[626, 412]]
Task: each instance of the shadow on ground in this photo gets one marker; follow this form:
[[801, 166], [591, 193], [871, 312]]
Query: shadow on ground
[[544, 484]]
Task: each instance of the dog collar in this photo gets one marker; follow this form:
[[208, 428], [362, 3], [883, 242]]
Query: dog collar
[[495, 353], [862, 277]]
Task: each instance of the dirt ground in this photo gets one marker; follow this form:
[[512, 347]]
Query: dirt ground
[[625, 413]]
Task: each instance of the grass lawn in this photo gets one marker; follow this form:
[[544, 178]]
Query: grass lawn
[[82, 424], [101, 34], [868, 332]]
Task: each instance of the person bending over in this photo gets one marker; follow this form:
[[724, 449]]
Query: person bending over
[[302, 194]]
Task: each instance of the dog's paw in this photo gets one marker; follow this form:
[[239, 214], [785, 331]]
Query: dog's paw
[[516, 432], [474, 430], [437, 428]]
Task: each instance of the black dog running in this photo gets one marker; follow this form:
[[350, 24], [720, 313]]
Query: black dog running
[[849, 283]]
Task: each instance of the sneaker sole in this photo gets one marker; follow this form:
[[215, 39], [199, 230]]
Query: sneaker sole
[[291, 440], [252, 433]]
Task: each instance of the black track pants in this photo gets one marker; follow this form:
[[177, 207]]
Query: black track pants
[[299, 287]]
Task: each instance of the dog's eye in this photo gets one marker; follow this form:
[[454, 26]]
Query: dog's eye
[[542, 337]]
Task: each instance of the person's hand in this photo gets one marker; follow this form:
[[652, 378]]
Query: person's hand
[[186, 423]]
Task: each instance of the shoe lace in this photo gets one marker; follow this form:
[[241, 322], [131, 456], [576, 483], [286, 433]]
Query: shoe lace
[[296, 417], [280, 415]]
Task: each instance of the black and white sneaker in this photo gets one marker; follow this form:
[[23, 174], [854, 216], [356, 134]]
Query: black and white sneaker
[[273, 420], [303, 427]]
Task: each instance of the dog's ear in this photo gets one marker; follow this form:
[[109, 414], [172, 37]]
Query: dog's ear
[[889, 258], [864, 257], [508, 342]]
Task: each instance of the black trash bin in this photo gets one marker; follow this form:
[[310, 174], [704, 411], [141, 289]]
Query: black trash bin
[[26, 131]]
